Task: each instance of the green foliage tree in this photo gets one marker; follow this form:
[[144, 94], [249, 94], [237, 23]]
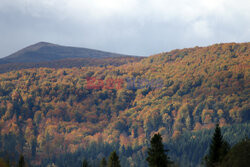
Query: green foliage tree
[[156, 153], [238, 155], [3, 163], [114, 160], [103, 163], [218, 149]]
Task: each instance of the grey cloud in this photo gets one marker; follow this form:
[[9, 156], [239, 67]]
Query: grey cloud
[[138, 29]]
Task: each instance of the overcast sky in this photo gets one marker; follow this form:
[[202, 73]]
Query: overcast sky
[[137, 27]]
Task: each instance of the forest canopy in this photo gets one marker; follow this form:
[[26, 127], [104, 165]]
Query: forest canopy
[[52, 111]]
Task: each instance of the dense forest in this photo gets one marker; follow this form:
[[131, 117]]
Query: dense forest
[[62, 115]]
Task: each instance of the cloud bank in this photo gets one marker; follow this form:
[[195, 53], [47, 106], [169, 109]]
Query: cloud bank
[[137, 27]]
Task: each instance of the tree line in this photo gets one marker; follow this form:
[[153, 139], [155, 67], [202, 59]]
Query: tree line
[[220, 154]]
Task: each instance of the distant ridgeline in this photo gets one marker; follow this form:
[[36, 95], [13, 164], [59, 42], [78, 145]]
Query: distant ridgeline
[[51, 114], [45, 54]]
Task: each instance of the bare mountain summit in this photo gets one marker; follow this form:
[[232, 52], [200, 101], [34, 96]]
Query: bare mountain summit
[[44, 52]]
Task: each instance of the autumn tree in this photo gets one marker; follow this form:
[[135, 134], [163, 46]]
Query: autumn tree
[[156, 153]]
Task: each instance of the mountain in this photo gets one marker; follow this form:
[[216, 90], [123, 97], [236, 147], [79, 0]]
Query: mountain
[[45, 54], [52, 114]]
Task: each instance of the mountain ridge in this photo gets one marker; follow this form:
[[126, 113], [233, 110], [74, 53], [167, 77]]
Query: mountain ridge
[[44, 54], [44, 51]]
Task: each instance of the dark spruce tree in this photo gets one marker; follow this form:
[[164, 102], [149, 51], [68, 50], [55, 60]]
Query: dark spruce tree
[[103, 163], [114, 160], [21, 162], [156, 153], [217, 150], [85, 163]]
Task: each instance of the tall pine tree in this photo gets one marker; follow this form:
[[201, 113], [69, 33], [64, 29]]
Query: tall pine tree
[[218, 149], [114, 160], [156, 153], [21, 162], [85, 163]]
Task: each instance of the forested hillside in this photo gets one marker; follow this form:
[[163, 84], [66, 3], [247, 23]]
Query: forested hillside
[[56, 111]]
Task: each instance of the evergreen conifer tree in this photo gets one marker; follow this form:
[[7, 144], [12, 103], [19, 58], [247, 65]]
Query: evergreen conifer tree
[[114, 160], [218, 149], [21, 162], [156, 153], [103, 163], [85, 163]]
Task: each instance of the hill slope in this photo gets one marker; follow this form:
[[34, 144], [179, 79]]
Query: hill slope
[[62, 110]]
